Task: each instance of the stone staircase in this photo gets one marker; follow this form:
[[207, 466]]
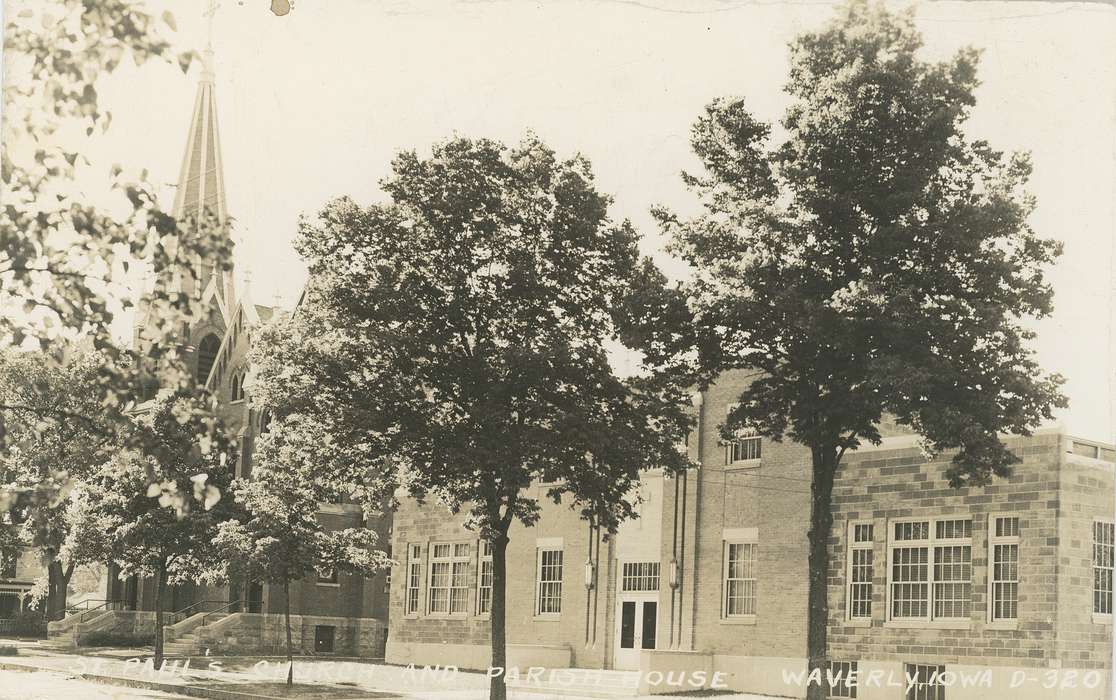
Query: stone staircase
[[186, 645], [64, 633], [582, 682], [181, 638]]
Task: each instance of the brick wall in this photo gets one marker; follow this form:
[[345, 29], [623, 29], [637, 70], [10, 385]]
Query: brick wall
[[772, 497], [423, 525]]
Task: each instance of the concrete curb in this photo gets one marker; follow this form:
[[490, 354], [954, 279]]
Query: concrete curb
[[192, 691]]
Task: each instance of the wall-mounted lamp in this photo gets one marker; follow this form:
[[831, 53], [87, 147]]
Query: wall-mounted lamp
[[590, 571], [673, 573]]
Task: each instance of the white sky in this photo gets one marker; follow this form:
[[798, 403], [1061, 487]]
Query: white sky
[[314, 105]]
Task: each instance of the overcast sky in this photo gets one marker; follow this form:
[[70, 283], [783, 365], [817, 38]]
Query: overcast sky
[[314, 105]]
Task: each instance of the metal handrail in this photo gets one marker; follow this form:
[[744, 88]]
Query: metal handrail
[[105, 605], [205, 618], [186, 609], [84, 605]]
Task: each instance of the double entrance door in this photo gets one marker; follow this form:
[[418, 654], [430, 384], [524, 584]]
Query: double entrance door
[[637, 623]]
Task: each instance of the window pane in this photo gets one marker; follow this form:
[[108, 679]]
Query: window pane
[[912, 531], [1102, 567], [860, 590], [740, 581], [910, 592], [953, 529], [1007, 527], [1005, 577], [952, 581]]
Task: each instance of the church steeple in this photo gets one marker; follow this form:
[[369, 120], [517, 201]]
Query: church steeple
[[201, 181], [201, 189]]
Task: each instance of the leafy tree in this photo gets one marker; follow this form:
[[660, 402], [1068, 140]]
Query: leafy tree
[[459, 334], [46, 456], [129, 512], [871, 259], [283, 540], [62, 259]]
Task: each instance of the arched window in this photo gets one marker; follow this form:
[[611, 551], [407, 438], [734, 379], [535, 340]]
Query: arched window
[[207, 353], [238, 386]]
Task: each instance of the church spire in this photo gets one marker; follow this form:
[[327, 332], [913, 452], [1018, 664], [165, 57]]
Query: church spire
[[201, 181], [201, 188]]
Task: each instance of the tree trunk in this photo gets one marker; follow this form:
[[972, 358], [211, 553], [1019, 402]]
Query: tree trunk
[[53, 611], [64, 576], [287, 614], [824, 464], [497, 689], [160, 587], [58, 580]]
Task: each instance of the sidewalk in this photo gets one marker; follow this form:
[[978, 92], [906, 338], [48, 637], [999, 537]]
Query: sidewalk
[[241, 678]]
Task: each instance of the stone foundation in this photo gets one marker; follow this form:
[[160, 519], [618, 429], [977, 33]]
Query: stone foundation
[[253, 633]]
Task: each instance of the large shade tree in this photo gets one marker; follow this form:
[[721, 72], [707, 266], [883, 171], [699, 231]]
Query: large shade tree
[[869, 258], [156, 512], [46, 457], [460, 334]]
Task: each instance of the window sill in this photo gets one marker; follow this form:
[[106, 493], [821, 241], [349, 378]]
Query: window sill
[[327, 584], [1102, 619], [447, 616], [548, 617], [859, 622], [744, 464], [739, 620], [929, 624], [1002, 625]]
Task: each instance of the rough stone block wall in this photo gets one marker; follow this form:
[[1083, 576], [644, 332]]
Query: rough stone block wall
[[1084, 639], [885, 484]]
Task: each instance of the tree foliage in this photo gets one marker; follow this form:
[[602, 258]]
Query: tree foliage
[[131, 510], [63, 257], [869, 259], [458, 333], [282, 540], [46, 457]]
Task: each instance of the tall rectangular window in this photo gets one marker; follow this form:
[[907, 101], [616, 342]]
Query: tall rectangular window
[[931, 569], [1102, 567], [861, 571], [484, 579], [739, 579], [548, 593], [449, 585], [414, 579], [1003, 557]]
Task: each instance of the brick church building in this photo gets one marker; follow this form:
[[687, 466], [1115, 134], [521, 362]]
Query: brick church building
[[337, 613], [1008, 587]]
